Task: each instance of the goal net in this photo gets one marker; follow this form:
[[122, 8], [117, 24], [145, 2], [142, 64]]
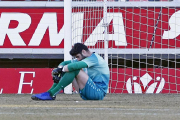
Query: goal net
[[139, 39]]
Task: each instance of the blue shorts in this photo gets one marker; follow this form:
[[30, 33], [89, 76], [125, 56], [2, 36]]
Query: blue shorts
[[91, 91]]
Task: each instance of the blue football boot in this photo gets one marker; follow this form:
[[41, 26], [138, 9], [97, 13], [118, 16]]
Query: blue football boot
[[43, 96]]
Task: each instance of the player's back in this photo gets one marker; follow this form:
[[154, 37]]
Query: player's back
[[98, 70]]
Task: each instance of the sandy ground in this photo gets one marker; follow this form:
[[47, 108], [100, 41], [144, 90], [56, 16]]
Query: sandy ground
[[72, 107]]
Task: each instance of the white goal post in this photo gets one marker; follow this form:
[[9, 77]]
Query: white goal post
[[67, 37], [139, 40]]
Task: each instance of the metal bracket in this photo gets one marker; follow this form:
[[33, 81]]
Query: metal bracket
[[105, 25]]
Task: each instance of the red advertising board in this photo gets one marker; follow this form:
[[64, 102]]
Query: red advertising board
[[37, 80], [144, 80], [43, 27], [25, 80]]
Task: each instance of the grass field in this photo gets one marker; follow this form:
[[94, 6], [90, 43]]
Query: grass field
[[72, 107]]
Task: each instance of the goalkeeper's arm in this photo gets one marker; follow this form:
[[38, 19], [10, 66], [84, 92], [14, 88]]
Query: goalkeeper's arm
[[64, 63], [75, 66]]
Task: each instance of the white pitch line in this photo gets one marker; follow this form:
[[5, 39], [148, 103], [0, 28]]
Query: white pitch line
[[85, 113], [92, 107]]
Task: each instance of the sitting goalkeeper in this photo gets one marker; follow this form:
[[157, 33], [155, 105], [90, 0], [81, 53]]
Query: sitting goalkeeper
[[88, 72]]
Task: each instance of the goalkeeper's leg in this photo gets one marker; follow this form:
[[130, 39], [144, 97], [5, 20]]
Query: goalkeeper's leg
[[87, 88], [75, 85], [66, 79]]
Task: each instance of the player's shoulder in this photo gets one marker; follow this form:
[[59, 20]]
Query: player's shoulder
[[98, 56], [93, 58], [95, 55]]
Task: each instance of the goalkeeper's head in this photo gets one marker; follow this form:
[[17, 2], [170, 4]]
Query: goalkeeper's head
[[80, 51]]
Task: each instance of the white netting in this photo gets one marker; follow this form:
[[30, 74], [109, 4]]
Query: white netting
[[143, 42]]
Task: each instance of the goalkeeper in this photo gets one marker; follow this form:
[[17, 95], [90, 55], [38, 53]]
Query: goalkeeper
[[88, 72]]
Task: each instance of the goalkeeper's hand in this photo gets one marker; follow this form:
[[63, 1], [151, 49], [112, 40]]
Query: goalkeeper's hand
[[56, 74], [57, 71]]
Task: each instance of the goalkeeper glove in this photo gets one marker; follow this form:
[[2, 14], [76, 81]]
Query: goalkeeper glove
[[56, 74]]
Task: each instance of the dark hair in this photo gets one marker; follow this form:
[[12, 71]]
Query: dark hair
[[77, 49]]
